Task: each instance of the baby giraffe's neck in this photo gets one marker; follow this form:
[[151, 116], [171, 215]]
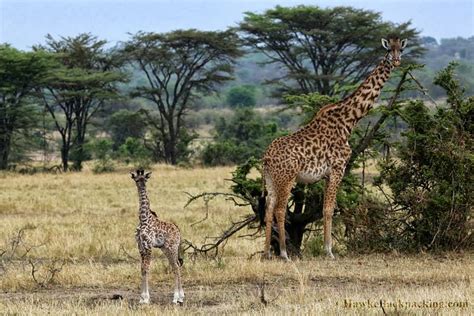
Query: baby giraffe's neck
[[144, 212]]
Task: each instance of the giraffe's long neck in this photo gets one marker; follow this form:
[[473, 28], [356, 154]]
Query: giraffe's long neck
[[144, 211], [346, 113], [362, 100]]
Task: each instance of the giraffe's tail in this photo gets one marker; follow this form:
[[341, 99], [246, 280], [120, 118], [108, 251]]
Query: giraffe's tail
[[262, 199], [180, 256]]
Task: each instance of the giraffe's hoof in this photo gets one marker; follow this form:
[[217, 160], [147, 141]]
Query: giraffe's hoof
[[144, 301], [181, 297], [330, 256], [284, 256], [179, 302], [178, 298]]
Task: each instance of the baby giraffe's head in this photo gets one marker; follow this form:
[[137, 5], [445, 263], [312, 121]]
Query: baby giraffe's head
[[394, 47], [140, 177]]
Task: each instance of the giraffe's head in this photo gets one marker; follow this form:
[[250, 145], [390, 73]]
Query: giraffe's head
[[140, 176], [394, 47]]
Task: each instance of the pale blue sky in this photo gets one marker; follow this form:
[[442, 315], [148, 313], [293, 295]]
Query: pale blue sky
[[24, 23]]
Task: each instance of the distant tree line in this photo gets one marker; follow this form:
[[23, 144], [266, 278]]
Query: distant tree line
[[73, 97], [72, 88]]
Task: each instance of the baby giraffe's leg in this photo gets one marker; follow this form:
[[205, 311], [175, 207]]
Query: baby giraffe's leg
[[145, 268], [172, 255], [181, 291]]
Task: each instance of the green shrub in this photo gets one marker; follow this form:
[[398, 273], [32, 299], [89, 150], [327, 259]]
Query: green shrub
[[237, 139], [242, 96], [133, 151], [314, 247], [431, 180], [123, 124], [102, 152]]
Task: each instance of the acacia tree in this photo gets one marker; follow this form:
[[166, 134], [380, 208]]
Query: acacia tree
[[86, 80], [178, 65], [20, 73], [321, 50], [306, 201]]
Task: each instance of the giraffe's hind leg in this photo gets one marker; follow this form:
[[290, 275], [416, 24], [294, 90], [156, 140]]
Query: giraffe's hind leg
[[270, 206], [145, 269], [171, 252], [280, 214]]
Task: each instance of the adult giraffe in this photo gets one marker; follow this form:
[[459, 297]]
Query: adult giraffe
[[321, 150]]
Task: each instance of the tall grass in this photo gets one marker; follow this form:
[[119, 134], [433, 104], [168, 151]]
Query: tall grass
[[87, 221]]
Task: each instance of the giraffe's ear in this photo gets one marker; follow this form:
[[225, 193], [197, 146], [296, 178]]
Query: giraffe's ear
[[148, 175], [132, 175], [385, 44], [403, 43]]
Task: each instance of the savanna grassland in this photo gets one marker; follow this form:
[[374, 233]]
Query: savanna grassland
[[75, 232]]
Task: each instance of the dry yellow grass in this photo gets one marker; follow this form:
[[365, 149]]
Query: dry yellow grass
[[89, 220]]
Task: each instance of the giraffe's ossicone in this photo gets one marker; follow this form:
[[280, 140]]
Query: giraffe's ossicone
[[320, 150]]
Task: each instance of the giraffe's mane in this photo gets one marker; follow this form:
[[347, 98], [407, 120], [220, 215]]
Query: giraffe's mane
[[327, 108]]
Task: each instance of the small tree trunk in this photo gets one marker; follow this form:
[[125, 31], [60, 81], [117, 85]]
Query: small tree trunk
[[78, 150], [65, 153], [5, 143], [79, 144], [172, 150], [65, 158], [173, 155]]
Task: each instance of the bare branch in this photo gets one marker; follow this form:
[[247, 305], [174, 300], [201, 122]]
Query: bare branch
[[122, 248], [52, 270], [234, 228]]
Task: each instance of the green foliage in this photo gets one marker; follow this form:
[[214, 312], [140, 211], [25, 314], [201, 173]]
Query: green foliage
[[249, 188], [314, 247], [183, 150], [21, 73], [438, 56], [321, 48], [78, 89], [245, 135], [305, 204], [102, 151], [309, 104], [179, 66], [123, 124], [242, 96], [432, 180], [133, 151]]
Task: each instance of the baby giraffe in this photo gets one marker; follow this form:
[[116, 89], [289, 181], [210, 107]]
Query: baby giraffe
[[154, 233]]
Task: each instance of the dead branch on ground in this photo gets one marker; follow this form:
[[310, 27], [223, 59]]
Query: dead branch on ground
[[52, 270]]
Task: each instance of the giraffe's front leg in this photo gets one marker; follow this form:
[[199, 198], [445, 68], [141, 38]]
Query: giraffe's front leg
[[145, 269]]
